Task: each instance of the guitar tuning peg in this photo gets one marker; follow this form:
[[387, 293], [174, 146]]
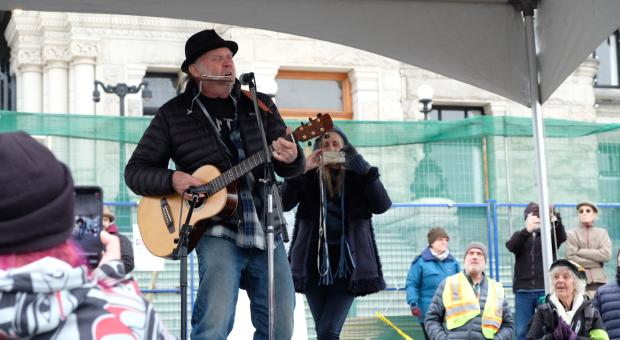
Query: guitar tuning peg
[[310, 119], [301, 123], [309, 143], [319, 114]]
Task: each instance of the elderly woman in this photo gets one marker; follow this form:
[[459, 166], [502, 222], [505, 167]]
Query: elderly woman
[[567, 314]]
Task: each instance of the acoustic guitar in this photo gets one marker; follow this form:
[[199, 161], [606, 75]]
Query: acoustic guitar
[[160, 217]]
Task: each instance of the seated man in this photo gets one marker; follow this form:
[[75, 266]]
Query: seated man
[[469, 305], [47, 292]]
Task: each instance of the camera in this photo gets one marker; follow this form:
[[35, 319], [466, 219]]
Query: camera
[[333, 157], [88, 219]]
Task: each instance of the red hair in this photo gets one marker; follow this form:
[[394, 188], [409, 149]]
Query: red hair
[[66, 251]]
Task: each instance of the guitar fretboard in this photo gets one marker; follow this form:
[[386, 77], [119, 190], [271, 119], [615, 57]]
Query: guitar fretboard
[[234, 173]]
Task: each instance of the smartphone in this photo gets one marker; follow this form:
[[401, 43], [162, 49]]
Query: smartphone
[[88, 219], [333, 157]]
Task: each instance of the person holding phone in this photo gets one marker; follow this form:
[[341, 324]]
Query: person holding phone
[[333, 253], [528, 282], [47, 291]]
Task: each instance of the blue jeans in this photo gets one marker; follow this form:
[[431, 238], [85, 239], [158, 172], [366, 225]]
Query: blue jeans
[[525, 306], [329, 306], [223, 269]]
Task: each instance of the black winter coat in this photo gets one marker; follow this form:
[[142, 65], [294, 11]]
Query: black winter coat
[[181, 132], [527, 248], [364, 195], [545, 320]]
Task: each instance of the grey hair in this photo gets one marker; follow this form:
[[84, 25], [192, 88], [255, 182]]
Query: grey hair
[[580, 285]]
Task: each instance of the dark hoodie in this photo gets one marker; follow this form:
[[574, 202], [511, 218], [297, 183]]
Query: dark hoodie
[[527, 248]]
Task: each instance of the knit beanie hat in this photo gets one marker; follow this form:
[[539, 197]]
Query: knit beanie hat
[[477, 245], [531, 208], [345, 139], [435, 233], [36, 200]]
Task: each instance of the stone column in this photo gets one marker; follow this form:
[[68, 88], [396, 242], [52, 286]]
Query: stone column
[[82, 77], [23, 36], [365, 93], [29, 65], [56, 61], [266, 78]]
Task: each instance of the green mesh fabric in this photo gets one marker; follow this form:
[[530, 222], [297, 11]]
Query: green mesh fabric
[[361, 133]]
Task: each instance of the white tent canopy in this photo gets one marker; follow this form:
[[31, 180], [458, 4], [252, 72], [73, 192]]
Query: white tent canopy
[[480, 42]]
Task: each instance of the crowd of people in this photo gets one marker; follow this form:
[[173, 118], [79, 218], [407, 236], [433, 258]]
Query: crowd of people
[[581, 303], [48, 292]]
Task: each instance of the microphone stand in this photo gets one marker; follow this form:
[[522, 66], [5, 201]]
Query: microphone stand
[[180, 252], [268, 180]]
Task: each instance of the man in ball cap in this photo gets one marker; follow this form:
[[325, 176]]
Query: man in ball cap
[[213, 123], [589, 246], [46, 291], [469, 305], [427, 270]]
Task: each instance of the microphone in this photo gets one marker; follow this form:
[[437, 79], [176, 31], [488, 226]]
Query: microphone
[[246, 78]]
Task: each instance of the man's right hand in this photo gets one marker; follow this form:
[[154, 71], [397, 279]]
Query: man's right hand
[[415, 311], [181, 181], [532, 223]]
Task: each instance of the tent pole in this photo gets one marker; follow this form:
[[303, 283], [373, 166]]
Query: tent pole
[[539, 139]]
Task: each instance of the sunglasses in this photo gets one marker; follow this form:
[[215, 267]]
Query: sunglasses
[[585, 211]]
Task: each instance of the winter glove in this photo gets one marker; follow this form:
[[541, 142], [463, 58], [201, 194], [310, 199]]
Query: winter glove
[[563, 331], [354, 161], [415, 311]]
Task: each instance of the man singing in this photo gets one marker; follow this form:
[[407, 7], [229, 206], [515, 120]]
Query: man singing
[[213, 122]]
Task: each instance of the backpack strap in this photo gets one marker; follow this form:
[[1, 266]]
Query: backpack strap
[[261, 104], [588, 312]]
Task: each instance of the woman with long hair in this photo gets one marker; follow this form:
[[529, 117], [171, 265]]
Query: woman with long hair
[[333, 253]]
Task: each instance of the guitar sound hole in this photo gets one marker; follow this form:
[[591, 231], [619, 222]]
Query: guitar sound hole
[[199, 203]]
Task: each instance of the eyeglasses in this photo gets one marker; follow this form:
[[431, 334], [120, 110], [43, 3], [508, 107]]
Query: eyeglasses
[[585, 211]]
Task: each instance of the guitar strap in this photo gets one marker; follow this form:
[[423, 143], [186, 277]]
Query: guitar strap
[[261, 104]]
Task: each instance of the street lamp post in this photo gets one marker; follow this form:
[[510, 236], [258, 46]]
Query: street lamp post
[[425, 96], [121, 90]]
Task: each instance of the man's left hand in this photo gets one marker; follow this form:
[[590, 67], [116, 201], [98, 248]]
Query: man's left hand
[[283, 150]]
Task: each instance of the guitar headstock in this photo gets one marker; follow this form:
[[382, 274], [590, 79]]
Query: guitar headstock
[[314, 128]]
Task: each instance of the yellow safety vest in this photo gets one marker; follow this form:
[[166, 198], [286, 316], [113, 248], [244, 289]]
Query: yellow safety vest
[[462, 305]]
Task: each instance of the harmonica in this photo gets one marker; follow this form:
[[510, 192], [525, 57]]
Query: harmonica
[[216, 78]]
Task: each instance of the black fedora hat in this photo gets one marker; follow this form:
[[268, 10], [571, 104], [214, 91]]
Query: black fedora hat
[[203, 42]]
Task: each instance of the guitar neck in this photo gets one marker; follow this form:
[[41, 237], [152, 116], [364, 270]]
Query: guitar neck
[[237, 171]]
